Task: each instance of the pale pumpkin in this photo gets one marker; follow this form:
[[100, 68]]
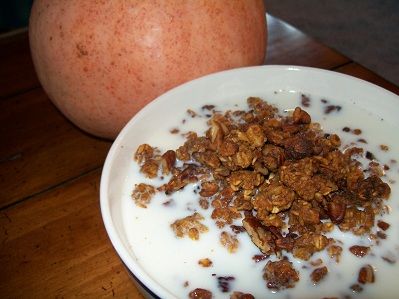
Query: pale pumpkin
[[100, 62]]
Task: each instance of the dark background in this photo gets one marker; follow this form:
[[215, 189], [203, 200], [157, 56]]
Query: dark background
[[14, 14], [367, 31]]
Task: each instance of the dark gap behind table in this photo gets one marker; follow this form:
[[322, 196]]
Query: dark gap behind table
[[366, 31], [14, 14]]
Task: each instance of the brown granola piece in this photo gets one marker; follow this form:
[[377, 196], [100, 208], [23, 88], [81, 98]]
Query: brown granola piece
[[259, 234], [143, 153], [267, 219], [204, 203], [217, 130], [300, 116], [381, 235], [237, 229], [190, 226], [208, 189], [199, 293], [240, 295], [208, 158], [224, 216], [318, 274], [359, 251], [223, 213], [316, 263], [375, 169], [307, 244], [182, 153], [192, 113], [299, 146], [223, 198], [206, 262], [242, 201], [260, 257], [366, 274], [334, 165], [383, 225], [193, 144], [324, 185], [286, 243], [229, 241], [168, 160], [255, 135], [174, 131], [373, 187], [303, 214], [178, 181], [336, 208], [273, 156], [227, 148], [280, 275], [262, 109], [335, 251], [298, 176], [384, 147], [245, 179], [142, 194], [150, 168], [358, 221], [275, 198], [244, 157], [274, 133]]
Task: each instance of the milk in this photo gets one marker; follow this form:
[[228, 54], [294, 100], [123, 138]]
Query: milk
[[173, 262]]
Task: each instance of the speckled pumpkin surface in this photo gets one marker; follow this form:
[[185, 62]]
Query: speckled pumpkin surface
[[100, 62]]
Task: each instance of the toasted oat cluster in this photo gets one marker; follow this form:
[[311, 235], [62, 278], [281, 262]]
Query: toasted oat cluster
[[284, 178]]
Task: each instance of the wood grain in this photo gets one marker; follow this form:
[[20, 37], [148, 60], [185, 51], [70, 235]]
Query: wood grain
[[55, 246], [40, 148], [17, 73], [288, 45], [361, 72]]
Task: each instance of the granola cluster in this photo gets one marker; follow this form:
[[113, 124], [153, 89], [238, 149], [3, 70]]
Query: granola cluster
[[284, 178]]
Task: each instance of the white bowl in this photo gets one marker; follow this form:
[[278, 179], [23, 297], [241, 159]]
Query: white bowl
[[237, 84]]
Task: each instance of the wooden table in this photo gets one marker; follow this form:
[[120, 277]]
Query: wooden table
[[53, 242]]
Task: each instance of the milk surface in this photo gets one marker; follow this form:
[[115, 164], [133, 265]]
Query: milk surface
[[173, 262]]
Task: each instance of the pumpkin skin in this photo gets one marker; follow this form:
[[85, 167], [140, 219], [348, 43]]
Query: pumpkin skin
[[100, 62]]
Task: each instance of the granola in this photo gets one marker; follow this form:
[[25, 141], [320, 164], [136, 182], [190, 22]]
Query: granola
[[190, 226], [286, 180]]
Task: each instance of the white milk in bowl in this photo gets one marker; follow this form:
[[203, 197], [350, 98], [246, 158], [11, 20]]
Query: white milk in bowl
[[183, 264]]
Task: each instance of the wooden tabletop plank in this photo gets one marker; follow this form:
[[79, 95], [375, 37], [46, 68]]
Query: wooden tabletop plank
[[17, 73], [361, 72], [288, 45], [55, 246], [40, 148]]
